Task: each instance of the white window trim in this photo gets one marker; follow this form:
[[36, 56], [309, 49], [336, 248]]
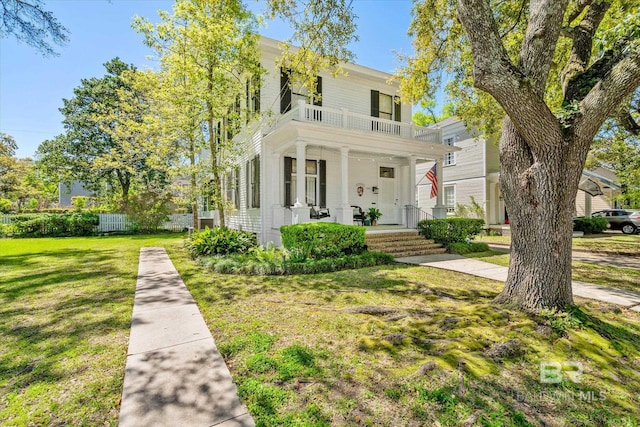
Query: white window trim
[[451, 154], [306, 175], [450, 209]]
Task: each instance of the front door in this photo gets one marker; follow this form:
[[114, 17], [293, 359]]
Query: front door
[[387, 195]]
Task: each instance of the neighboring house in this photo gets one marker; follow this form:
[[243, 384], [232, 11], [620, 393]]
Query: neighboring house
[[475, 172], [357, 144], [65, 193]]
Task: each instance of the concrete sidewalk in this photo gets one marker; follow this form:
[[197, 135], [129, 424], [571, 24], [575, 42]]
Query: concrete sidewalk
[[628, 299], [174, 373]]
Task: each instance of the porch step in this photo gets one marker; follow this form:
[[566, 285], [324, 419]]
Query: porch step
[[401, 244]]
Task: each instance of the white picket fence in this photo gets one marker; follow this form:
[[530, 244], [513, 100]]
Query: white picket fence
[[119, 222]]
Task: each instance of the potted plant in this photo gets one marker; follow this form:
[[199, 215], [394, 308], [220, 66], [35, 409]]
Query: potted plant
[[373, 214]]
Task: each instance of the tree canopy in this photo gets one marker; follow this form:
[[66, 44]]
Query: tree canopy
[[29, 22]]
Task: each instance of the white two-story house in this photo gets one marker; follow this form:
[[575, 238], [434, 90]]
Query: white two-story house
[[354, 146]]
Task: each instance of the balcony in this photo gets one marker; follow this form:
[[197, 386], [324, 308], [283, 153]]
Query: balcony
[[345, 119]]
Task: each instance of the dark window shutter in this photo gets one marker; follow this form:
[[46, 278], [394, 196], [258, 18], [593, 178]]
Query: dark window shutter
[[236, 187], [247, 184], [285, 92], [288, 165], [256, 94], [398, 109], [323, 183], [256, 182], [375, 103], [318, 101], [248, 101]]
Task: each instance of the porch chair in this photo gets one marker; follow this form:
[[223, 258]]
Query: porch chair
[[319, 213], [358, 215]]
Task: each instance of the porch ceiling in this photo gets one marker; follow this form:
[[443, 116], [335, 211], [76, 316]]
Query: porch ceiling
[[285, 137]]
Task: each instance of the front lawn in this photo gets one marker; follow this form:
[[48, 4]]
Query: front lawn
[[623, 278], [388, 345], [606, 243], [65, 312]]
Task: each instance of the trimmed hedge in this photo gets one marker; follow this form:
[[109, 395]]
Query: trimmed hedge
[[322, 240], [466, 248], [220, 241], [53, 225], [591, 225], [451, 230], [277, 264]]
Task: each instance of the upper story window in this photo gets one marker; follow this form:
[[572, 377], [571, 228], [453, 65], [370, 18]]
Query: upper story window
[[449, 158], [252, 96], [385, 106], [292, 93]]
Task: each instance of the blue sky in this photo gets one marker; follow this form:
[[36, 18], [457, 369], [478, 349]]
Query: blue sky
[[32, 87]]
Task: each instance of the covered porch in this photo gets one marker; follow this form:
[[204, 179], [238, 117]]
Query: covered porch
[[373, 165]]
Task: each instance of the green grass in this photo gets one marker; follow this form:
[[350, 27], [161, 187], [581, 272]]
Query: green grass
[[617, 277], [337, 348], [605, 243], [65, 312], [343, 348]]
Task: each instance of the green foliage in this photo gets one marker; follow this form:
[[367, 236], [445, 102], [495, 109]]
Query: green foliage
[[80, 203], [591, 225], [54, 225], [451, 230], [462, 248], [276, 262], [321, 240], [220, 241], [5, 205], [561, 321], [374, 214], [148, 210]]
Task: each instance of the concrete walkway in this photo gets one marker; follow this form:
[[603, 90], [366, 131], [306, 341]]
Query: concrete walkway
[[628, 299], [174, 373]]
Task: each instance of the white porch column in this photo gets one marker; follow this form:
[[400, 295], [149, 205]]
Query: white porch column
[[412, 180], [301, 162], [300, 210], [587, 205], [277, 210], [439, 210], [345, 214]]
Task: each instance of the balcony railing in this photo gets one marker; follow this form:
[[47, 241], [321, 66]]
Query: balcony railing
[[343, 118]]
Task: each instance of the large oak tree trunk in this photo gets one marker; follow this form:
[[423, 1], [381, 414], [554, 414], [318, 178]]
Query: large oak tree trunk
[[539, 192]]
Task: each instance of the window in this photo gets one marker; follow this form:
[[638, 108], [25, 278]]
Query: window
[[386, 172], [450, 198], [232, 187], [385, 106], [290, 93], [315, 176], [449, 158], [252, 182]]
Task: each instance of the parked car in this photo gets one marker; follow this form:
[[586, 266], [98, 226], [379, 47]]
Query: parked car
[[621, 219]]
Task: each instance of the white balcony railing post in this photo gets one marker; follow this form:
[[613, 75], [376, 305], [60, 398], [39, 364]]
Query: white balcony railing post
[[301, 110], [345, 117]]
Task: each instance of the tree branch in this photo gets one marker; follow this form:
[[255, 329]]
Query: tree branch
[[580, 56], [606, 96], [516, 91], [627, 121]]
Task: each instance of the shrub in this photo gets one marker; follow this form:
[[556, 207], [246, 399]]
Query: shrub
[[148, 210], [591, 225], [465, 248], [451, 230], [278, 263], [220, 241], [322, 240], [53, 225], [5, 205]]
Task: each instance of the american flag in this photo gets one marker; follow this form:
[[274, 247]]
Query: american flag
[[431, 176]]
